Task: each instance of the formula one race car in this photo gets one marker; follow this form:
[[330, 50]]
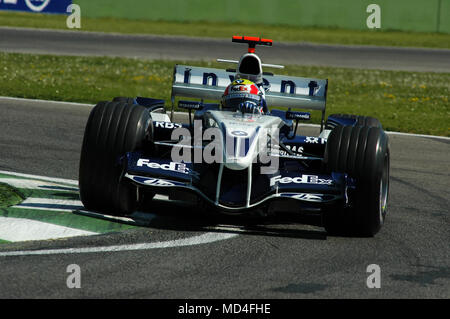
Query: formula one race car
[[232, 161]]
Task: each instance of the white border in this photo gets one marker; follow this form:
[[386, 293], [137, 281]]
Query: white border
[[206, 238], [43, 178], [55, 231]]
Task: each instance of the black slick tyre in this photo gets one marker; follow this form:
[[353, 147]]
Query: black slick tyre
[[363, 153], [126, 100], [112, 129], [359, 120]]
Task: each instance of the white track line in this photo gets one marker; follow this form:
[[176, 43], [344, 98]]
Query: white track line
[[43, 178], [196, 240], [137, 218], [419, 135], [20, 229], [184, 113], [35, 184], [49, 204], [43, 101]]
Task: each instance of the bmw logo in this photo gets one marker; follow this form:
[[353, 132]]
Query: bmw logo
[[37, 5], [239, 133]]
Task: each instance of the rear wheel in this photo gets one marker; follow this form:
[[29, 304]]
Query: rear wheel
[[360, 120], [113, 128], [126, 100], [363, 153]]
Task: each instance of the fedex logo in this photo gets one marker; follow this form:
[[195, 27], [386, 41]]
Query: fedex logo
[[304, 179], [172, 166], [239, 88]]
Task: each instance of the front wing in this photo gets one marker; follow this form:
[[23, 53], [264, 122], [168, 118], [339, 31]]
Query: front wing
[[245, 190]]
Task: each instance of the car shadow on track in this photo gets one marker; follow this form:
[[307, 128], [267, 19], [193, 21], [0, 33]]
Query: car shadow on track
[[181, 218]]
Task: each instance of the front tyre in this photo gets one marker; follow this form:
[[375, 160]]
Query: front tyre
[[363, 153], [113, 129]]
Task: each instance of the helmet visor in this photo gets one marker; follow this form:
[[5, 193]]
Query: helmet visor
[[232, 101]]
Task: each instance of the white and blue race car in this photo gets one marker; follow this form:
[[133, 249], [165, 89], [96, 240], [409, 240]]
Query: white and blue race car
[[235, 162]]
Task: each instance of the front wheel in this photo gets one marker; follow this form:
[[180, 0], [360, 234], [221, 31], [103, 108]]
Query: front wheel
[[363, 153], [113, 129]]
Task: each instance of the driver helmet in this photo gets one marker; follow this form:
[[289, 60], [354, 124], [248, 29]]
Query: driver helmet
[[239, 91]]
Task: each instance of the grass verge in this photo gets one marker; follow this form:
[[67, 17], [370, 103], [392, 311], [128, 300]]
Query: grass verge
[[9, 196], [225, 30], [402, 101]]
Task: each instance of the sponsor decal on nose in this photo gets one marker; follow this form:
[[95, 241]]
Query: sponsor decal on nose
[[304, 179]]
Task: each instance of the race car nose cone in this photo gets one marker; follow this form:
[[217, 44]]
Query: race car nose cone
[[238, 163]]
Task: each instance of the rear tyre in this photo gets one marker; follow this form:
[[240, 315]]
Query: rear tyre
[[360, 120], [113, 128], [363, 153], [126, 100]]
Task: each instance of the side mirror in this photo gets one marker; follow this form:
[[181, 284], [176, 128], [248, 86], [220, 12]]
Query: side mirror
[[297, 116], [292, 115], [190, 105]]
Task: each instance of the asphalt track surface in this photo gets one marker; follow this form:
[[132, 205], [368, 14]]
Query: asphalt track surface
[[288, 258], [33, 41]]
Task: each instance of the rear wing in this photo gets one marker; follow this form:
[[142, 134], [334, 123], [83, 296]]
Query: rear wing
[[282, 91]]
